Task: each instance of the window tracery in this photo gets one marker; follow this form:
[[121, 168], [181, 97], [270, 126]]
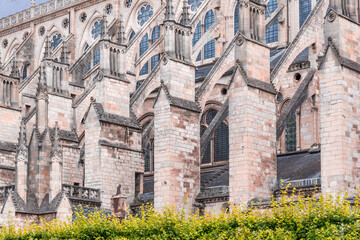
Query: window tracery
[[144, 14], [304, 10], [195, 4], [209, 47], [56, 39], [128, 3], [96, 59], [290, 133], [96, 29]]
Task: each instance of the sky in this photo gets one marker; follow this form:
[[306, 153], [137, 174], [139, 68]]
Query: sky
[[9, 7]]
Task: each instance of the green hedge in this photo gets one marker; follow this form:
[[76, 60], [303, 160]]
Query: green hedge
[[322, 218]]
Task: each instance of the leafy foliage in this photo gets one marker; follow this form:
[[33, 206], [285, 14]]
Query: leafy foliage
[[289, 218]]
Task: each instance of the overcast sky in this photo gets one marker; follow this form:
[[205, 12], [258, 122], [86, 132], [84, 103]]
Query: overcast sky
[[8, 7]]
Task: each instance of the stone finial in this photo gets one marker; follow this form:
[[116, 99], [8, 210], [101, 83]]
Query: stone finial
[[47, 52], [22, 152], [185, 14], [32, 3], [104, 28], [15, 72], [169, 12], [121, 34], [64, 53], [56, 151], [42, 85]]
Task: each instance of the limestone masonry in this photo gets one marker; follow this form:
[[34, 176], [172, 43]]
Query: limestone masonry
[[113, 104]]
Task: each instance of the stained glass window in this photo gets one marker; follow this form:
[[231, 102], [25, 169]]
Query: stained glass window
[[96, 29], [236, 18], [96, 57], [144, 13], [198, 58], [217, 149], [195, 4], [132, 34], [145, 69], [209, 49], [209, 20], [272, 31], [210, 116], [56, 40], [144, 44], [197, 33], [221, 143], [154, 60], [304, 10], [290, 133], [155, 34], [128, 3], [25, 71], [109, 8], [147, 158]]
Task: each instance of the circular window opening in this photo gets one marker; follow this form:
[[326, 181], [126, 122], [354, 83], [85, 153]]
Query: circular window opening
[[279, 97], [224, 91], [297, 76]]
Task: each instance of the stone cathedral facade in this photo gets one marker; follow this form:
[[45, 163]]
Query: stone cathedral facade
[[195, 103]]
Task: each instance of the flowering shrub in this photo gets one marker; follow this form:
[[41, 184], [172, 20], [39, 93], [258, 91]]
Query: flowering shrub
[[300, 218]]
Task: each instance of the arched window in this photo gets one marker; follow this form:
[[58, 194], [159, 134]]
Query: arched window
[[195, 4], [236, 18], [145, 69], [96, 57], [25, 71], [149, 157], [272, 31], [209, 49], [304, 10], [290, 133], [144, 14], [155, 34], [197, 33], [96, 29], [132, 34], [144, 44], [198, 58], [217, 149], [154, 60], [209, 20], [56, 39]]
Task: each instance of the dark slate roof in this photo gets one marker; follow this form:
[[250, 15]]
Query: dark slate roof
[[202, 72], [65, 135], [215, 177], [186, 104], [300, 165], [275, 56], [302, 57], [148, 185]]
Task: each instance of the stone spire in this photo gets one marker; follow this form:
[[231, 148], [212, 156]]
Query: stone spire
[[47, 52], [185, 13], [104, 28], [56, 151], [15, 68], [32, 3], [22, 152], [64, 53], [169, 14], [121, 34]]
